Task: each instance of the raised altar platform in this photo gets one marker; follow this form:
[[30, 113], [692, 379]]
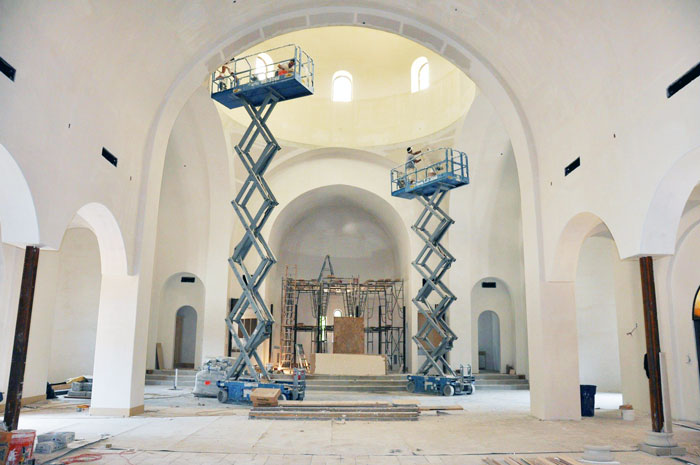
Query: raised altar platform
[[348, 364]]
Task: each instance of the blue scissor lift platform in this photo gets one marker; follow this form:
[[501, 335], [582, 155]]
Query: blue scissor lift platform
[[441, 170], [252, 78], [257, 83]]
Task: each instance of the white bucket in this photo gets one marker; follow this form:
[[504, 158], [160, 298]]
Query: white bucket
[[627, 415]]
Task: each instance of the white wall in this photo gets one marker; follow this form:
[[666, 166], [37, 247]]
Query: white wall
[[76, 306], [684, 282], [596, 315], [11, 261], [487, 237], [194, 219]]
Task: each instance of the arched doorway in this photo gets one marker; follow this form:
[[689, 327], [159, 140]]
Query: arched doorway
[[185, 340], [489, 329]]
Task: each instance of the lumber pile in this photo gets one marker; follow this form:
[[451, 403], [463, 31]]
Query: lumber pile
[[367, 411]]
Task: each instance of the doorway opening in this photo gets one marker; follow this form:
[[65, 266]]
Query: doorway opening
[[489, 327], [185, 337]]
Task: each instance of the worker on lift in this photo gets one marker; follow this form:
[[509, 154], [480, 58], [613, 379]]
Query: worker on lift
[[223, 74], [285, 68]]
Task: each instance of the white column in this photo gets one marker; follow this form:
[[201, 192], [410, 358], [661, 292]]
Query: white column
[[553, 349], [120, 359]]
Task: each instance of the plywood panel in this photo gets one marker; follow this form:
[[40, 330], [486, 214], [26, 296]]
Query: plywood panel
[[348, 335], [434, 337]]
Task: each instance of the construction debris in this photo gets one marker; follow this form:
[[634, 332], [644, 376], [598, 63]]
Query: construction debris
[[212, 371], [80, 389], [368, 411]]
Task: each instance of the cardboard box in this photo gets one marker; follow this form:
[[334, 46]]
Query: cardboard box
[[265, 397]]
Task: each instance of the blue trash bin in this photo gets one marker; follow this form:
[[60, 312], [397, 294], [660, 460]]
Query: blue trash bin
[[587, 400]]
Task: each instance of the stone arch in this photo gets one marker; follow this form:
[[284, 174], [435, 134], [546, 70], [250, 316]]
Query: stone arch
[[392, 20], [109, 237], [371, 201], [562, 266], [20, 225], [663, 218]]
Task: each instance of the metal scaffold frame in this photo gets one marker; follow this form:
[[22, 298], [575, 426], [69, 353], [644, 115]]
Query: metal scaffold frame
[[379, 302]]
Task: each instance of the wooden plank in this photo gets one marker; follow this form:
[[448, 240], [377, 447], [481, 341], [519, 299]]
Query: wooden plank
[[338, 403], [651, 326], [160, 361], [428, 408]]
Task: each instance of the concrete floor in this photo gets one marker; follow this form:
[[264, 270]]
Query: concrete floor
[[180, 429]]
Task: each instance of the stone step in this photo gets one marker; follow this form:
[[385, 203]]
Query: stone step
[[498, 375], [330, 382], [502, 387], [355, 388], [164, 375], [180, 372], [500, 381], [160, 382]]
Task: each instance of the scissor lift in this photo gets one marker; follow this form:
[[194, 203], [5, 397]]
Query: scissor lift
[[258, 84], [440, 171]]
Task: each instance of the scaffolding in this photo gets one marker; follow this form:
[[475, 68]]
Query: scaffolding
[[379, 302]]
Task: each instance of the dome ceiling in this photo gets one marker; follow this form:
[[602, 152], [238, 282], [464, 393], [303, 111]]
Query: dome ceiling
[[383, 111]]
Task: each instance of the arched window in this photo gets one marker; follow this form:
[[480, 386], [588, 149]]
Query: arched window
[[263, 66], [420, 74], [342, 87], [337, 313]]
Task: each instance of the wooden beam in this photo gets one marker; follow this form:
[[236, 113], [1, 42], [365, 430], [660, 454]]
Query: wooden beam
[[651, 325], [19, 351]]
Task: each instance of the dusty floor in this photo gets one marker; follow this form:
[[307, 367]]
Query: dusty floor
[[180, 429]]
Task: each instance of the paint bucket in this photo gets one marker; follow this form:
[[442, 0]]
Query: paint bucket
[[627, 415], [21, 446]]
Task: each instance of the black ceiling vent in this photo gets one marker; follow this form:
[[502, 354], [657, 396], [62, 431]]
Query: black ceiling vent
[[187, 279], [683, 81], [488, 285], [109, 157], [7, 69], [572, 166]]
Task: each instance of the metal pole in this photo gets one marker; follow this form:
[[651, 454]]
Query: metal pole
[[651, 325], [380, 330], [269, 347], [19, 351], [296, 313], [404, 338]]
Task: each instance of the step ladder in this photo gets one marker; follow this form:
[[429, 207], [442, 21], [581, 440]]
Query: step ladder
[[302, 361]]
